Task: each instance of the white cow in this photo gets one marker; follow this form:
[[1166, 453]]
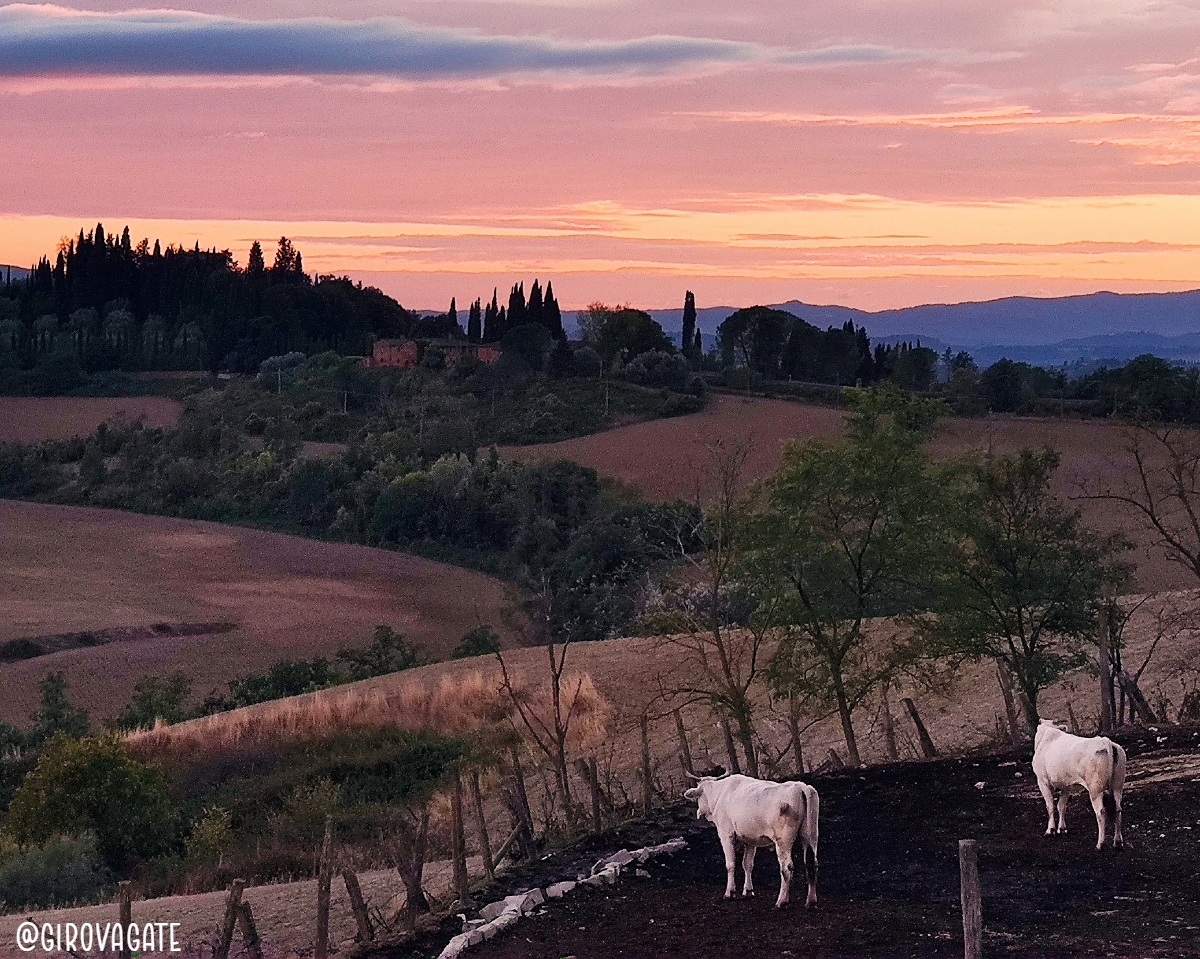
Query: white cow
[[1066, 764], [758, 813]]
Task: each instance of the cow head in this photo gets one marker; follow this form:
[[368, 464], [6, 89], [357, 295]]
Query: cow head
[[701, 794], [1047, 729]]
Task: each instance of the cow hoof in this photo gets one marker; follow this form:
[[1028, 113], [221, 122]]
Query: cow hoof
[[728, 895], [749, 894]]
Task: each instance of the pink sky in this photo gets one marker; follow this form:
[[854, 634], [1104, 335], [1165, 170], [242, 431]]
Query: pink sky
[[875, 154]]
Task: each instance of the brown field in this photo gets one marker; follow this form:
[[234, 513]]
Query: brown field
[[667, 458], [66, 569], [34, 419]]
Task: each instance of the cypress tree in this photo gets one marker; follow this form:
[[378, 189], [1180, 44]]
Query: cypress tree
[[534, 310], [687, 341], [255, 264], [491, 319], [551, 313], [698, 345], [474, 323], [516, 307], [452, 315]]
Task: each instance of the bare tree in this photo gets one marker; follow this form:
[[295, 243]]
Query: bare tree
[[716, 663]]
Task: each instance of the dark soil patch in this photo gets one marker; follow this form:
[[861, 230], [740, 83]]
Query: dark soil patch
[[889, 876], [27, 648]]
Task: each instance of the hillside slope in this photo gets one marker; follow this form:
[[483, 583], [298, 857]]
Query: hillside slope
[[70, 569]]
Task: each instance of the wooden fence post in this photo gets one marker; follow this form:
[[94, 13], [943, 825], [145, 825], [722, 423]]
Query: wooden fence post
[[324, 880], [525, 812], [594, 783], [250, 938], [485, 843], [233, 903], [685, 751], [125, 898], [927, 746], [459, 840], [358, 906], [647, 785], [972, 903]]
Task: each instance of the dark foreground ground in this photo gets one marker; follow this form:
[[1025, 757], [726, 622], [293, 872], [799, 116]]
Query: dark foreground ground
[[889, 874]]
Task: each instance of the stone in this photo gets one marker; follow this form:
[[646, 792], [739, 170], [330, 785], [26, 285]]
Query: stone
[[622, 858], [559, 889]]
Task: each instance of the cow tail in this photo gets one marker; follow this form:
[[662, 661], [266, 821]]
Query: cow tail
[[1110, 800], [811, 834]]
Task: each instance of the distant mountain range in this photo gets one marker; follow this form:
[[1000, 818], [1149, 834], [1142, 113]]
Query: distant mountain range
[[1050, 331], [18, 273]]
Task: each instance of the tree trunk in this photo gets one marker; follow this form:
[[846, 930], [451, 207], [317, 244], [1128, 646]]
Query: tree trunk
[[889, 727], [685, 751], [412, 872], [1010, 704], [847, 725], [746, 738], [1106, 683], [734, 766], [485, 845], [794, 723]]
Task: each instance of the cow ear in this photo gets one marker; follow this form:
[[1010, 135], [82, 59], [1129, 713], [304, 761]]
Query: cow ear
[[693, 793]]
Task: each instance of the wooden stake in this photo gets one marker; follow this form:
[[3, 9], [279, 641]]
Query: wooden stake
[[972, 903], [1074, 723], [647, 785], [522, 796], [250, 938], [125, 898], [927, 746], [685, 751], [507, 844], [233, 903], [835, 761], [459, 840], [485, 846], [358, 906], [324, 880]]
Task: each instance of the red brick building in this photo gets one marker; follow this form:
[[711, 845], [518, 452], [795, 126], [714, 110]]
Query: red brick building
[[397, 354]]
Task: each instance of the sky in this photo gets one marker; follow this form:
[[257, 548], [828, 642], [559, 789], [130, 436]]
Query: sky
[[872, 153]]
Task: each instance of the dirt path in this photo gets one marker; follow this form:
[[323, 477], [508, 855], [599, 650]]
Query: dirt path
[[889, 875]]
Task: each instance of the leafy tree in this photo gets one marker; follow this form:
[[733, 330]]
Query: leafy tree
[[846, 531], [481, 641], [155, 699], [1024, 584], [94, 785], [625, 333], [389, 652], [285, 256], [56, 713], [1003, 385]]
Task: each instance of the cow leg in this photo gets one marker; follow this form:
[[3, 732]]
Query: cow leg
[[784, 852], [1048, 796], [730, 858], [1063, 797], [1118, 839], [1101, 818], [810, 868], [748, 869]]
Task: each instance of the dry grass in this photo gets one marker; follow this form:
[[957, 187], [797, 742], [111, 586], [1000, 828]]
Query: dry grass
[[453, 705], [34, 419], [69, 569]]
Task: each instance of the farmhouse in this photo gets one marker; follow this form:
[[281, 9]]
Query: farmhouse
[[457, 350], [398, 354]]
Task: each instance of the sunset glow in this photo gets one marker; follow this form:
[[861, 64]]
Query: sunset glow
[[867, 153]]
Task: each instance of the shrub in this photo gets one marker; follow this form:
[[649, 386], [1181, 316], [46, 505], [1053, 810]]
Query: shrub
[[17, 649], [93, 784], [481, 641], [388, 653], [211, 837], [658, 368], [154, 699], [56, 713], [64, 870]]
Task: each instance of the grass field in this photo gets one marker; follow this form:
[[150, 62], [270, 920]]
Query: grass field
[[68, 569], [34, 419], [667, 458]]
